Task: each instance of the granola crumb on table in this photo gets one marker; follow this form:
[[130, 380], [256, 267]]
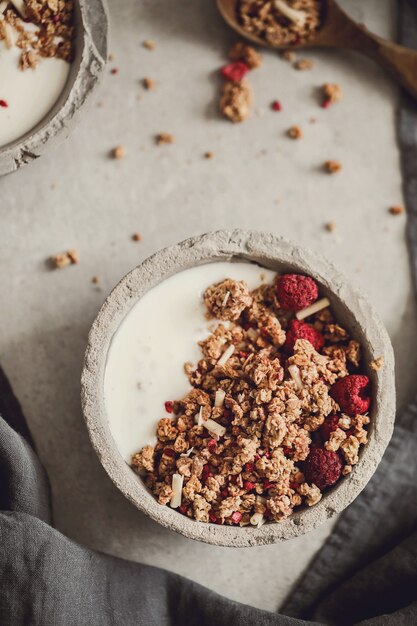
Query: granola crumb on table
[[332, 167], [276, 414], [295, 132], [236, 100]]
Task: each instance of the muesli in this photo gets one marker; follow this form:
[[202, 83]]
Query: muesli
[[277, 412]]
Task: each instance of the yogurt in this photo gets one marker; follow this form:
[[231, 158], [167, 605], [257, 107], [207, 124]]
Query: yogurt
[[29, 94], [145, 361]]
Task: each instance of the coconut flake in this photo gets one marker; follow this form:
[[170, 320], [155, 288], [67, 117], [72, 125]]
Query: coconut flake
[[298, 17], [219, 398], [188, 453], [252, 334], [257, 519], [11, 35], [295, 375], [198, 419], [20, 7], [312, 309], [177, 482], [226, 298], [226, 355], [214, 428]]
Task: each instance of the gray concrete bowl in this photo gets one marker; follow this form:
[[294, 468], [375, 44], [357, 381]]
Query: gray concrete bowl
[[279, 255], [91, 23]]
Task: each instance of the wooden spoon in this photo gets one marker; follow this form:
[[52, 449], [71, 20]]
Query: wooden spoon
[[340, 31]]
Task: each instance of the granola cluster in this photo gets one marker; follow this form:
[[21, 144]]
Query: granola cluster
[[281, 22], [260, 433], [52, 37]]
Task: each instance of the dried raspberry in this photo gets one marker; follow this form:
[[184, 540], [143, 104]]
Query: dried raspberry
[[235, 72], [225, 493], [114, 70], [248, 485], [301, 330], [249, 467], [183, 509], [322, 467], [267, 485], [3, 104], [353, 394], [326, 103], [211, 445], [206, 472], [168, 406], [295, 291], [212, 517], [236, 517], [330, 425], [276, 105], [169, 452]]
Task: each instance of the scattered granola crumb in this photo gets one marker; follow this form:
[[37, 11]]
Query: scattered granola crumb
[[376, 364], [118, 152], [241, 51], [332, 167], [148, 84], [28, 59], [330, 227], [332, 93], [70, 257], [235, 101], [396, 210], [111, 57], [208, 155], [3, 104], [164, 138], [149, 44], [287, 55], [304, 64], [95, 280], [114, 70], [137, 237], [276, 105], [295, 132]]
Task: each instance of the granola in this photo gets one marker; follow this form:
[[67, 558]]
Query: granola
[[282, 22], [54, 33], [261, 432], [236, 100]]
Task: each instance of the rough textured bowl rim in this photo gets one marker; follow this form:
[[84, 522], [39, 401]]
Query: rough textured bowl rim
[[86, 69], [268, 250]]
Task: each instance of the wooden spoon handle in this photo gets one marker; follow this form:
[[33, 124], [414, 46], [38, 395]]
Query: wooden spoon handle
[[399, 61]]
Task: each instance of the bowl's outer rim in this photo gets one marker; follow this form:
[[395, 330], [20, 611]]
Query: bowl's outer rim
[[261, 248], [92, 40]]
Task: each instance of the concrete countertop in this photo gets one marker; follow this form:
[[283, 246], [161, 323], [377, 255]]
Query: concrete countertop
[[75, 196]]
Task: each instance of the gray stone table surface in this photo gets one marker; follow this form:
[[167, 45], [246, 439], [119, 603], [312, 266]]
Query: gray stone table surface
[[76, 196]]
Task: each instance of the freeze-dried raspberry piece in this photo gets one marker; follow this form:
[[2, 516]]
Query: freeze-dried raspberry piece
[[296, 292], [301, 330], [322, 468], [235, 72], [353, 394], [329, 426]]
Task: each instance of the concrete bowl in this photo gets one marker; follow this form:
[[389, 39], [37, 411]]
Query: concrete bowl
[[277, 254], [91, 21]]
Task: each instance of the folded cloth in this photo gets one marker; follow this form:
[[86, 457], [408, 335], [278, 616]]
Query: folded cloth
[[365, 574]]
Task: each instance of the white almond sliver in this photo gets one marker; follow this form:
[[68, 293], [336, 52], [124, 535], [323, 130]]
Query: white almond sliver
[[188, 453], [257, 519], [214, 428], [312, 309], [198, 419], [298, 17], [295, 375], [226, 356], [177, 482], [20, 7], [219, 398], [11, 35], [226, 298]]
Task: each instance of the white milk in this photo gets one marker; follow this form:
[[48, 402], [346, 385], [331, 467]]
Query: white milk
[[30, 94], [145, 362]]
